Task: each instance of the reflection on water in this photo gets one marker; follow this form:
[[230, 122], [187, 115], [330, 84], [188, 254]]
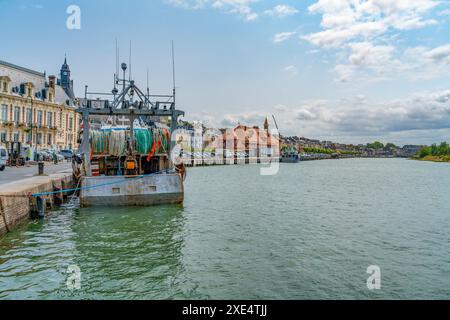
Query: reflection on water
[[309, 232], [122, 252]]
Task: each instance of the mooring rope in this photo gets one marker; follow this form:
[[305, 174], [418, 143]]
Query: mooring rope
[[100, 185], [73, 196]]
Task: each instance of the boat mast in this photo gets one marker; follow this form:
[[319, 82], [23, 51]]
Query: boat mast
[[123, 105], [173, 74]]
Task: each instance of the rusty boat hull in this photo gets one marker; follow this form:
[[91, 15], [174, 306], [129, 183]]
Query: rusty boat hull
[[131, 191]]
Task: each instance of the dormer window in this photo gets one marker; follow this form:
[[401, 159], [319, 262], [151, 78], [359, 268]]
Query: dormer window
[[29, 92], [4, 84]]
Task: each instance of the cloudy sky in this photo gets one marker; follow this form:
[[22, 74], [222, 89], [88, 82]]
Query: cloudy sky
[[344, 70]]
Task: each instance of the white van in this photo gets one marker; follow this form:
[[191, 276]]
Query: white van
[[3, 158]]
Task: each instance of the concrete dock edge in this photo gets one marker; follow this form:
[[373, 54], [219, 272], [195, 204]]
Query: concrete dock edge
[[16, 202]]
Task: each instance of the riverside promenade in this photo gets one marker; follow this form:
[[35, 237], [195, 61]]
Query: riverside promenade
[[18, 184]]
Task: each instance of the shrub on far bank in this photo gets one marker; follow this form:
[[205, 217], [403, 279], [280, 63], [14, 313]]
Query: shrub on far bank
[[435, 150]]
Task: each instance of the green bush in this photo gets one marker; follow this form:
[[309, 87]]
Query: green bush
[[435, 150]]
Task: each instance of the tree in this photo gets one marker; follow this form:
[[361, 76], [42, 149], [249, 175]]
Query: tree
[[424, 152], [391, 146], [376, 145], [444, 149], [434, 150]]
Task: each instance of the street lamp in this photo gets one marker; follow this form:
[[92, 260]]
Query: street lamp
[[31, 120]]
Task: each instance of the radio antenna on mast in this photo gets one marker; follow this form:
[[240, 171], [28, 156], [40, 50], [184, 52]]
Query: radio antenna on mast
[[130, 64], [148, 88], [173, 73], [117, 61]]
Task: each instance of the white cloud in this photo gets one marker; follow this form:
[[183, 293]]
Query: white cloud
[[361, 31], [369, 62], [439, 54], [291, 70], [240, 7], [344, 20], [421, 112], [281, 11], [365, 53], [251, 16], [445, 12], [283, 36], [360, 120], [365, 59], [420, 118]]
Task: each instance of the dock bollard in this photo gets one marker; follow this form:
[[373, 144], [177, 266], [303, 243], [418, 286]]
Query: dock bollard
[[41, 206], [41, 168]]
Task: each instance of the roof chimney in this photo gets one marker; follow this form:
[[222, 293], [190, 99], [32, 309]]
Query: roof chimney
[[52, 81]]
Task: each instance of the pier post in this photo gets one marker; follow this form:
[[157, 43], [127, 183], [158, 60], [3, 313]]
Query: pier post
[[192, 150], [258, 146], [41, 168], [224, 148], [41, 206]]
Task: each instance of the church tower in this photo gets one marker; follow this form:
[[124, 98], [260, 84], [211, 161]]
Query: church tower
[[266, 125], [66, 83]]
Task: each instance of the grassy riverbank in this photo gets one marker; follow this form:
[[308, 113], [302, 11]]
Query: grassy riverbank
[[434, 158], [435, 153]]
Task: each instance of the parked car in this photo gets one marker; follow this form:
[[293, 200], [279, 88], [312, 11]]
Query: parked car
[[60, 157], [52, 153], [3, 158], [229, 154], [67, 154], [44, 155]]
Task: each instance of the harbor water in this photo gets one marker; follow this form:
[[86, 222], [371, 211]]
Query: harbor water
[[308, 232]]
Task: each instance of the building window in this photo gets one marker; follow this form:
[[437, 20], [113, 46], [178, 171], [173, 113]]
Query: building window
[[29, 116], [2, 136], [39, 118], [39, 138], [16, 114], [4, 113], [50, 119], [5, 86], [70, 124], [30, 92], [29, 138], [16, 137], [49, 139]]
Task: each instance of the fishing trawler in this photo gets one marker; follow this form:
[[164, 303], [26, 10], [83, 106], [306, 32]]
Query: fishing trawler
[[125, 144], [289, 155]]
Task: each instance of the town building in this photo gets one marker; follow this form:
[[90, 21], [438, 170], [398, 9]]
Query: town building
[[251, 142], [36, 110]]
